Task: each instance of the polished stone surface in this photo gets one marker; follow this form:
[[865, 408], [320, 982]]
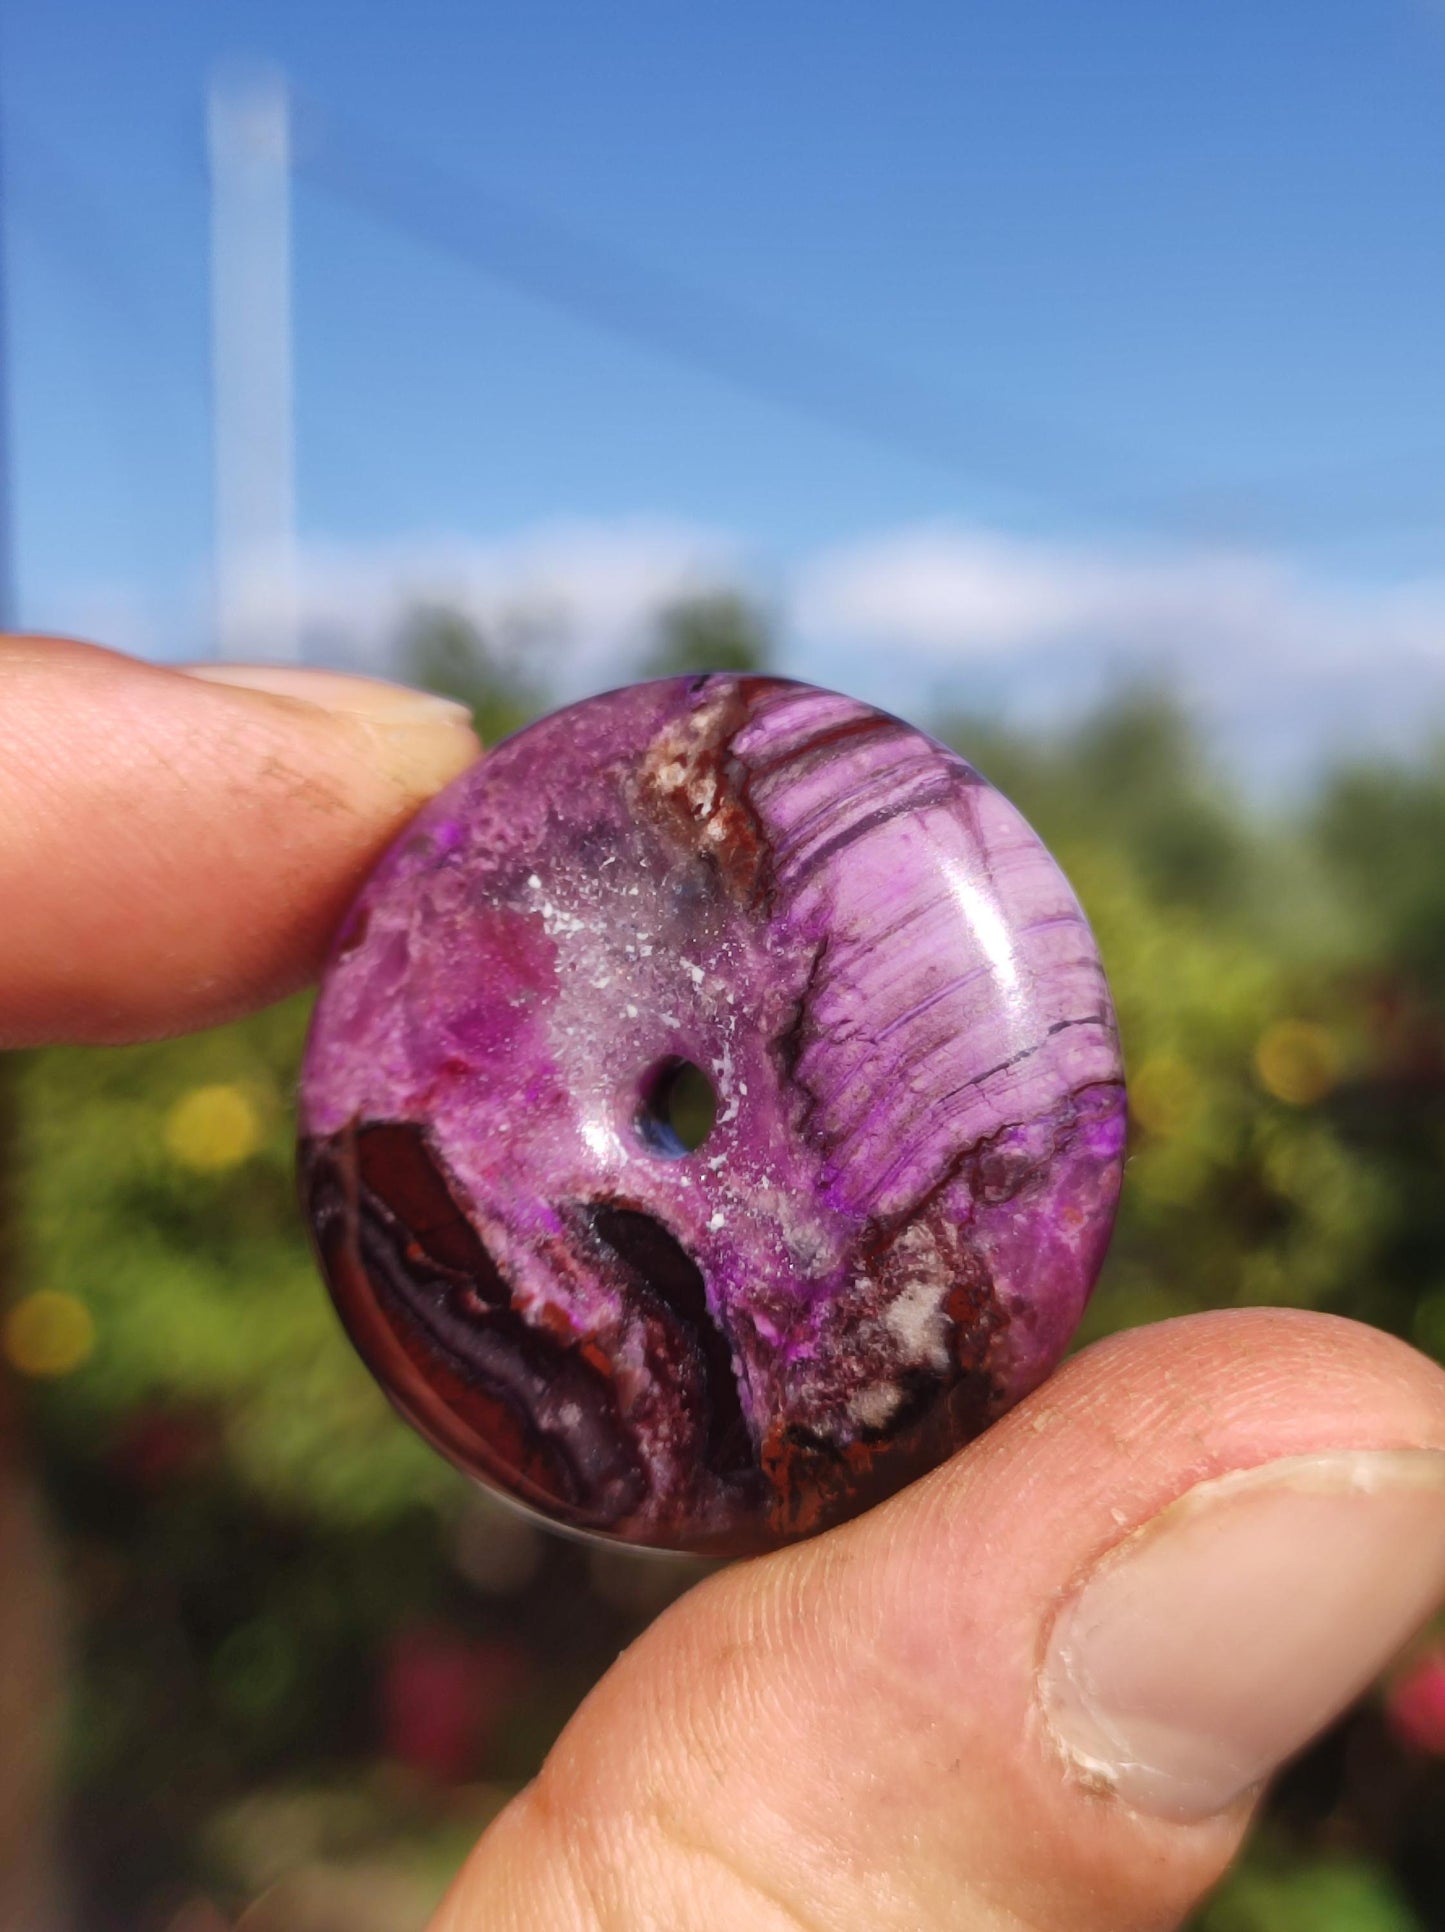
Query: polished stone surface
[[890, 1231]]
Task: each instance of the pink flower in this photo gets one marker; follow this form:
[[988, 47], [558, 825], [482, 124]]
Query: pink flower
[[1415, 1704], [441, 1694]]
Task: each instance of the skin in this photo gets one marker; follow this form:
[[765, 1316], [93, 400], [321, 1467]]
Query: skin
[[844, 1737]]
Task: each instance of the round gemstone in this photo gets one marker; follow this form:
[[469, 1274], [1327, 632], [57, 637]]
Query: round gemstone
[[713, 1113]]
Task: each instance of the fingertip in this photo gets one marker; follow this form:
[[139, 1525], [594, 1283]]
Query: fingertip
[[347, 693], [183, 843], [418, 740]]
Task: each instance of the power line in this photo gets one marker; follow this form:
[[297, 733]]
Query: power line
[[974, 439], [66, 221], [702, 329]]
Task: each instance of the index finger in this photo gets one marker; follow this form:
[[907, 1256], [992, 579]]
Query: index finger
[[176, 848]]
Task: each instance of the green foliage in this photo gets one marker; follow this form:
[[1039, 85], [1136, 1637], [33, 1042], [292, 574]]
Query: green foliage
[[1288, 1116], [1329, 1894], [717, 632], [187, 1252], [1132, 777], [1235, 1194], [495, 677], [1382, 831], [248, 1524]]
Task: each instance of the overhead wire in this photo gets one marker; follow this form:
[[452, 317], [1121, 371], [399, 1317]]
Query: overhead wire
[[976, 439], [706, 330]]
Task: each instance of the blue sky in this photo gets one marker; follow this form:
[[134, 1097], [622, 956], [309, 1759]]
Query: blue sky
[[1177, 271]]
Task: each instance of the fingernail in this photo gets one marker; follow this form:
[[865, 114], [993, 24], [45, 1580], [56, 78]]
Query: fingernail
[[1211, 1645], [358, 697]]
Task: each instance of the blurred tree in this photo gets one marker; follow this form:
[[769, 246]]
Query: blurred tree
[[1382, 831], [30, 1648], [255, 1542], [443, 650], [1133, 774], [1272, 1892], [719, 631]]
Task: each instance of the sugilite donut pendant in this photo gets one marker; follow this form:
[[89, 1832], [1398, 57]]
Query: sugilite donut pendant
[[888, 1234]]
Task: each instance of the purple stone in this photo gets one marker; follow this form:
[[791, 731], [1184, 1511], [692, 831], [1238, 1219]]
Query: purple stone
[[888, 1235]]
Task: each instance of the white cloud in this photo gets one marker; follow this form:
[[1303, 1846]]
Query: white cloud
[[1282, 662], [960, 593], [584, 592], [943, 591]]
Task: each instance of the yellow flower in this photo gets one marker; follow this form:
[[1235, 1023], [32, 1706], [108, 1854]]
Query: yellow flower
[[48, 1333], [1297, 1061], [211, 1128]]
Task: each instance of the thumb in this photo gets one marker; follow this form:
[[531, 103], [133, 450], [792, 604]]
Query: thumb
[[1039, 1689]]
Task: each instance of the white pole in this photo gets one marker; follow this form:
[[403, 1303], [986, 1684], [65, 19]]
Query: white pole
[[257, 613]]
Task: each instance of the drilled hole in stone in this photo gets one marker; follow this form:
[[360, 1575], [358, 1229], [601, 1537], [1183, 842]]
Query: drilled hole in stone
[[679, 1106]]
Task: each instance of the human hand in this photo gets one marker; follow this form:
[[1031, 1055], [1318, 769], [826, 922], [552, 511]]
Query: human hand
[[1039, 1689]]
